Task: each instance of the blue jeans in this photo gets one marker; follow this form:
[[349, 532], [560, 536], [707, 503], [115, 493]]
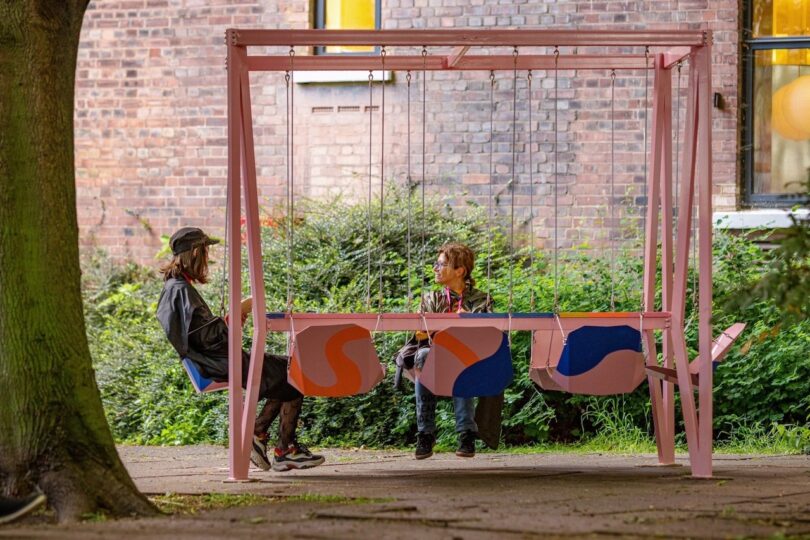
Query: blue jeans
[[426, 405]]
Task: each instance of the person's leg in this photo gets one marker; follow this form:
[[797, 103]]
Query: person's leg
[[268, 414], [289, 453], [465, 426], [272, 390], [288, 424], [258, 453], [465, 414], [425, 400], [425, 412]]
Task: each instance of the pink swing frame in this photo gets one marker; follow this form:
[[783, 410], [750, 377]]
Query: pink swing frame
[[667, 49]]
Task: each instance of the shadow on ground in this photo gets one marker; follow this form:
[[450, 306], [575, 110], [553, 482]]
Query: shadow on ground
[[373, 494]]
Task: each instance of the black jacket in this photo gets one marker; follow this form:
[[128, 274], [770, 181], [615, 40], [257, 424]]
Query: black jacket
[[192, 329]]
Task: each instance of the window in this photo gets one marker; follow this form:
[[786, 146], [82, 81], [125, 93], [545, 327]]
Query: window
[[776, 120], [347, 15]]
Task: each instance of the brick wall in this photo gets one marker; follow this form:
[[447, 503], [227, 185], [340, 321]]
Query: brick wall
[[151, 126]]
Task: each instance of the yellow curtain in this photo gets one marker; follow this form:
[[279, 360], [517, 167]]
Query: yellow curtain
[[350, 15]]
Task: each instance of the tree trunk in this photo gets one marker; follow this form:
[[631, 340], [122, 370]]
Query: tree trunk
[[53, 433]]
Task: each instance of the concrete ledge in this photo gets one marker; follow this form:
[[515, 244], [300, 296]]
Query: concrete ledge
[[330, 77], [755, 219]]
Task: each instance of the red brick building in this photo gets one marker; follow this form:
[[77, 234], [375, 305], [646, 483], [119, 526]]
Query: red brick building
[[151, 125]]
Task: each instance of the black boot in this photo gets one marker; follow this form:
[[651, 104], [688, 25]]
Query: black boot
[[424, 445], [466, 444]]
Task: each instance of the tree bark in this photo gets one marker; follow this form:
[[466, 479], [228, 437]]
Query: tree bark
[[53, 433]]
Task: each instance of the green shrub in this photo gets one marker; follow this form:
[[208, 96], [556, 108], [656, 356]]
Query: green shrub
[[148, 398]]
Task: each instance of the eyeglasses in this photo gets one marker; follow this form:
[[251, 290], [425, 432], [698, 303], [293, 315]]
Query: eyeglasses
[[440, 264]]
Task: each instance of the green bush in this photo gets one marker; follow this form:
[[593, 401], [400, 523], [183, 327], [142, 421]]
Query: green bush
[[149, 400]]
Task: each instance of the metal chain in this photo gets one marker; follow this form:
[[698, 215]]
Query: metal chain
[[424, 153], [531, 196], [291, 159], [556, 180], [370, 165], [646, 180], [695, 262], [287, 195], [611, 236], [382, 172], [491, 173], [678, 144], [513, 183], [408, 194]]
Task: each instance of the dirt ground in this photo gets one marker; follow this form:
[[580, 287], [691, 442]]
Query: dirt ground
[[375, 494]]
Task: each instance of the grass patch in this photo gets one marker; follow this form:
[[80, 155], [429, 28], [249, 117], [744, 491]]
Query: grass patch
[[175, 503], [335, 499], [758, 439]]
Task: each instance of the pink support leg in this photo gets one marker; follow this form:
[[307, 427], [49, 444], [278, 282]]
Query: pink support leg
[[236, 459], [703, 467], [256, 273]]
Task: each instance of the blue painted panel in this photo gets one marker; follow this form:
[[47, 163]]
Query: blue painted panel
[[200, 383], [588, 345], [487, 377]]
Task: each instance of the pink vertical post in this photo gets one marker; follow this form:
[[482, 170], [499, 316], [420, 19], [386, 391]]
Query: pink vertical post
[[666, 452], [256, 272], [661, 393], [657, 157], [703, 63], [682, 265], [238, 470]]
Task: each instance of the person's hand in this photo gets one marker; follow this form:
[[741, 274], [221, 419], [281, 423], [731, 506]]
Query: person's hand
[[247, 307]]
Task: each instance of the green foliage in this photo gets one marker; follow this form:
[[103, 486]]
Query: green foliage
[[786, 278], [148, 398]]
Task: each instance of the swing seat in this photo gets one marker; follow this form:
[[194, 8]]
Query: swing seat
[[334, 361], [720, 347], [596, 359], [201, 384], [468, 362]]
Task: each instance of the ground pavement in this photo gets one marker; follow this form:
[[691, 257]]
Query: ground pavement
[[373, 494]]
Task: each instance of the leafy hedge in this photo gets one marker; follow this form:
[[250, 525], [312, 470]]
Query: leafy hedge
[[148, 398]]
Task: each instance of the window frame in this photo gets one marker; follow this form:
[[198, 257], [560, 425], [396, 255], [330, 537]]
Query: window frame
[[320, 23], [750, 46]]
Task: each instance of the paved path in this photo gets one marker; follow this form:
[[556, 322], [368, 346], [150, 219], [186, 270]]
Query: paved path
[[490, 496]]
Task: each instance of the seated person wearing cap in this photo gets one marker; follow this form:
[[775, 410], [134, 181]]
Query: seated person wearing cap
[[201, 337]]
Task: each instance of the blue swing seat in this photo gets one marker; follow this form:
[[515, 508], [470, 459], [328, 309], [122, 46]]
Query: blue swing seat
[[200, 383]]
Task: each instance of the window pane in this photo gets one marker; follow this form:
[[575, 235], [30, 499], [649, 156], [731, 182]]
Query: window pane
[[350, 15], [780, 18], [781, 123]]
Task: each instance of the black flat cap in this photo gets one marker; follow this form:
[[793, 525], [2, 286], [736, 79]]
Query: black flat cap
[[188, 238]]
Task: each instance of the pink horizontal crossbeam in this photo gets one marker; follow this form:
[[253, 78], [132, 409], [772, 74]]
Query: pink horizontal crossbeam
[[458, 37], [438, 63], [409, 322]]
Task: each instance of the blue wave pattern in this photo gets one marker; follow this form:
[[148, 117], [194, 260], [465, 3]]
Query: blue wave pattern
[[587, 346]]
